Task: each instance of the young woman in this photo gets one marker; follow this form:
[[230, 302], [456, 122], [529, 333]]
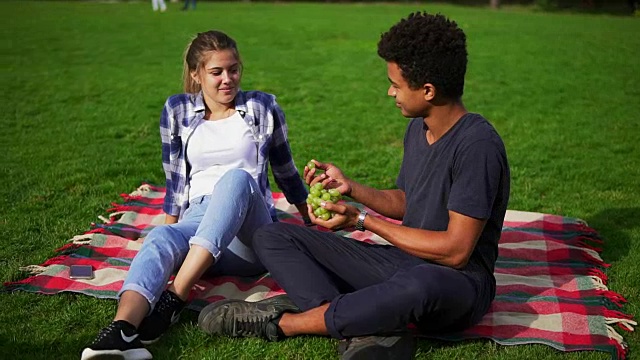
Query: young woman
[[216, 143]]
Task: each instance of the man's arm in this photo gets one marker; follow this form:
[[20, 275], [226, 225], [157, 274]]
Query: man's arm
[[390, 203], [452, 247]]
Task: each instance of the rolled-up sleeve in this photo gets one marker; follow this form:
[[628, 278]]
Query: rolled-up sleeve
[[166, 119], [284, 169]]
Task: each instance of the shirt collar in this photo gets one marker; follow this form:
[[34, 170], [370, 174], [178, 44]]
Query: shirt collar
[[241, 102], [199, 102]]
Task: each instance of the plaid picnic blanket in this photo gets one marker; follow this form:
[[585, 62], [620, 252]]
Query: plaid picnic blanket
[[551, 284]]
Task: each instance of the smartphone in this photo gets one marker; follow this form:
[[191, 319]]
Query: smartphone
[[81, 272]]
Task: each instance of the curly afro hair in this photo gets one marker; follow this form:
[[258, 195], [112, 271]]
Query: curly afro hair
[[428, 49]]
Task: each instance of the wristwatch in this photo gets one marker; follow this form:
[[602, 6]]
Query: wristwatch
[[360, 223]]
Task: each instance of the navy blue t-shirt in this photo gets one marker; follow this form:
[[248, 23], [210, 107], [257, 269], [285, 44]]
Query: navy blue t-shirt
[[465, 171]]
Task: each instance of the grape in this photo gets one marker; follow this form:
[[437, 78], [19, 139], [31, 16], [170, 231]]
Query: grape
[[311, 165], [318, 194], [315, 192]]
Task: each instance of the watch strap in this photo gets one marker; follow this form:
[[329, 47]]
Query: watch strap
[[360, 223]]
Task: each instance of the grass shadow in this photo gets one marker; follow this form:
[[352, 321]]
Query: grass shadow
[[614, 226]]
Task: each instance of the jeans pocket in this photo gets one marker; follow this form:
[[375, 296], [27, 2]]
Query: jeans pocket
[[197, 207]]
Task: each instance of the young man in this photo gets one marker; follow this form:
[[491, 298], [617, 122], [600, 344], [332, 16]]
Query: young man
[[453, 189]]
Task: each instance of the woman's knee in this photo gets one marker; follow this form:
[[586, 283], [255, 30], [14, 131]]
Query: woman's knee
[[235, 182], [163, 236], [158, 233], [235, 176]]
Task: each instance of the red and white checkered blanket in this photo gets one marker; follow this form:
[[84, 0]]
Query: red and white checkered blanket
[[551, 285]]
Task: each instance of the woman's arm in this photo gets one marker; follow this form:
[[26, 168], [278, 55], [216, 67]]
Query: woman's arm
[[284, 170], [170, 206]]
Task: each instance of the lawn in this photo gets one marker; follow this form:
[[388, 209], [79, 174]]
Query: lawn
[[85, 83]]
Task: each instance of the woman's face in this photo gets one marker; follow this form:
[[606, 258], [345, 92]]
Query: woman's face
[[219, 77]]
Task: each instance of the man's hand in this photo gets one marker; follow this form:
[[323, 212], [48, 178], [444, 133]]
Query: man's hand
[[345, 216], [332, 178]]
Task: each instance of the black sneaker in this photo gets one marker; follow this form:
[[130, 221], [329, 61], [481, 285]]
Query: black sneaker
[[119, 340], [164, 314], [398, 347], [238, 318]]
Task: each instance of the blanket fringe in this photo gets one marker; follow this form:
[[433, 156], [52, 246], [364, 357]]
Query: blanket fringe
[[619, 343], [624, 321], [615, 298], [122, 208], [83, 239], [598, 283], [55, 260], [104, 219], [33, 269], [595, 260], [67, 248], [585, 243], [116, 213], [586, 229], [599, 273], [97, 230], [140, 191]]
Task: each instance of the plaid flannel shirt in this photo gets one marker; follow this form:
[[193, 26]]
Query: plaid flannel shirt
[[181, 115]]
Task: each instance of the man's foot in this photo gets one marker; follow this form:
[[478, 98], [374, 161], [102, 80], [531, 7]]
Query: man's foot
[[399, 347], [238, 318], [119, 340], [164, 314]]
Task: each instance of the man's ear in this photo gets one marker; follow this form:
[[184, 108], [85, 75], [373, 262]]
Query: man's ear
[[429, 91]]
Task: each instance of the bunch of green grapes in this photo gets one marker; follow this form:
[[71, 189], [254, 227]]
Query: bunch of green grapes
[[318, 194]]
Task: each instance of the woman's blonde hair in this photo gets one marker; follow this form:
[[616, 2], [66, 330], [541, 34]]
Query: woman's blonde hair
[[196, 54]]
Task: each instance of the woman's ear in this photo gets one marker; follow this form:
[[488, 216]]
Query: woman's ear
[[195, 77], [429, 91]]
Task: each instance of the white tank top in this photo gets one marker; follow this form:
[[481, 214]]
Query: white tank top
[[216, 147]]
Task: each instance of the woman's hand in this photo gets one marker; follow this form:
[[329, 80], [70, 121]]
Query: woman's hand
[[170, 219], [304, 212]]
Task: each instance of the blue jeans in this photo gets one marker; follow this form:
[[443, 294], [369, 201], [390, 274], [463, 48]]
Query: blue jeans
[[223, 223]]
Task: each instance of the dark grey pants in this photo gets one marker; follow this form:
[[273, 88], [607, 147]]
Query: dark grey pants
[[372, 289]]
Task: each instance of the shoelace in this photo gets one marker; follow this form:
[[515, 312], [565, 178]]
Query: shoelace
[[166, 306], [249, 325], [103, 333]]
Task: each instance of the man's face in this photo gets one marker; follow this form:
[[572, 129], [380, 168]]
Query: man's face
[[412, 103]]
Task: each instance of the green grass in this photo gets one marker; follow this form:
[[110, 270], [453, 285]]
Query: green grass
[[84, 84]]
